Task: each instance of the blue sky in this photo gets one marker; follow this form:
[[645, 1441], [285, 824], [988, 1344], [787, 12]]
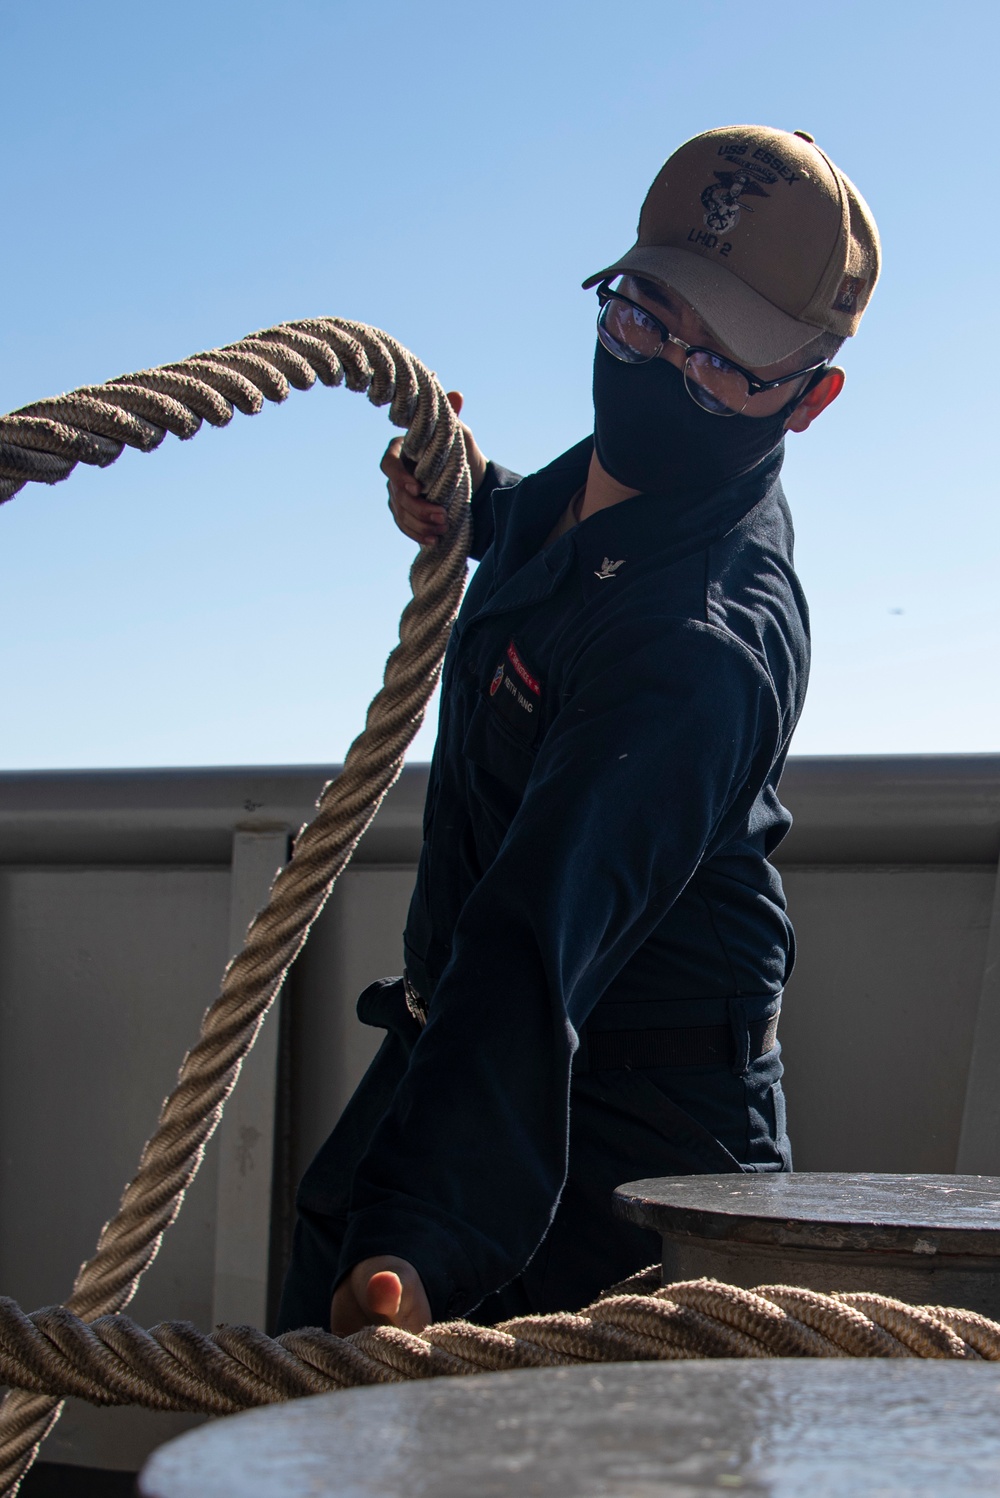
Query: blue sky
[[178, 175]]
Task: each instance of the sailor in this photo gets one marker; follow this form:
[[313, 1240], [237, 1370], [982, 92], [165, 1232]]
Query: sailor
[[597, 943]]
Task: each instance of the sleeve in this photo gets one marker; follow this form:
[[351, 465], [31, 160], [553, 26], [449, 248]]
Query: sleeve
[[481, 504], [656, 753]]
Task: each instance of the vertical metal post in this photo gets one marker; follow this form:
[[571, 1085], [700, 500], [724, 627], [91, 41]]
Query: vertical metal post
[[979, 1141], [246, 1134]]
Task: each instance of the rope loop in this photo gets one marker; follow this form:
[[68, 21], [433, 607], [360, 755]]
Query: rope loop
[[43, 442]]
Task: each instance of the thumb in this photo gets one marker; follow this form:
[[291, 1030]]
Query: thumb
[[456, 401], [384, 1294]]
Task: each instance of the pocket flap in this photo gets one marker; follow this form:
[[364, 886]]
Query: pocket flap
[[489, 745]]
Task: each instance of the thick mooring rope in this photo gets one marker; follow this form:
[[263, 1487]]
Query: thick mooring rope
[[44, 441], [112, 1361]]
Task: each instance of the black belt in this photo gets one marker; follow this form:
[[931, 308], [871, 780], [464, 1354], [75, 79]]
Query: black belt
[[689, 1045]]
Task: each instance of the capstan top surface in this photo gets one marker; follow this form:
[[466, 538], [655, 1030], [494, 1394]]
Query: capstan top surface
[[919, 1213], [619, 1430]]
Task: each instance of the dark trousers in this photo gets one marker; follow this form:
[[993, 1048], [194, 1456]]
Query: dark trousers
[[624, 1126]]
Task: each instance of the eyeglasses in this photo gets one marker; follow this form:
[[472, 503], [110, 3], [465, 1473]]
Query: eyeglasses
[[635, 336]]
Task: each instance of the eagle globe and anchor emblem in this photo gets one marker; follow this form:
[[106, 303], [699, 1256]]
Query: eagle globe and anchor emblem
[[722, 200]]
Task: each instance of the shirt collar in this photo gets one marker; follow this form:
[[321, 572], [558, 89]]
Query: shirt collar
[[645, 526]]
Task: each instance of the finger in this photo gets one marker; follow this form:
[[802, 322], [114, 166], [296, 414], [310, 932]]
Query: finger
[[384, 1294], [417, 532], [414, 1313], [421, 521], [456, 401], [346, 1315], [400, 476], [398, 1297], [379, 1291], [421, 511], [402, 481], [391, 454]]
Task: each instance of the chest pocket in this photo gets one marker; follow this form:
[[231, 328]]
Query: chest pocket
[[493, 747]]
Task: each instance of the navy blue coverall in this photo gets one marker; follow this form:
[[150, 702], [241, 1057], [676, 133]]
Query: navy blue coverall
[[596, 928]]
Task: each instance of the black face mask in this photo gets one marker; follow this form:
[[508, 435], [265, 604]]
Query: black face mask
[[650, 435]]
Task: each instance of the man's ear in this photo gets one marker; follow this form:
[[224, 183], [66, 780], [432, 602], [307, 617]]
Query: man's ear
[[816, 400]]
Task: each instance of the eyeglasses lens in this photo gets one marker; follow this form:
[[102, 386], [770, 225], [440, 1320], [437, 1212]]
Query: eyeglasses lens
[[714, 384], [634, 337], [627, 332]]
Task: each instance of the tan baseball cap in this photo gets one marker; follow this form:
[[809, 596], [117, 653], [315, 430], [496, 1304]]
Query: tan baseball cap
[[765, 238]]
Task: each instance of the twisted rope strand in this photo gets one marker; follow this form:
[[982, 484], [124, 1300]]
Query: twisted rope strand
[[43, 442], [112, 1361]]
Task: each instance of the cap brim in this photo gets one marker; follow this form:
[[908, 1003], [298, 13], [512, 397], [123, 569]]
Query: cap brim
[[753, 330]]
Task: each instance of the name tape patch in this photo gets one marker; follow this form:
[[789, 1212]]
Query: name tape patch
[[516, 693]]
